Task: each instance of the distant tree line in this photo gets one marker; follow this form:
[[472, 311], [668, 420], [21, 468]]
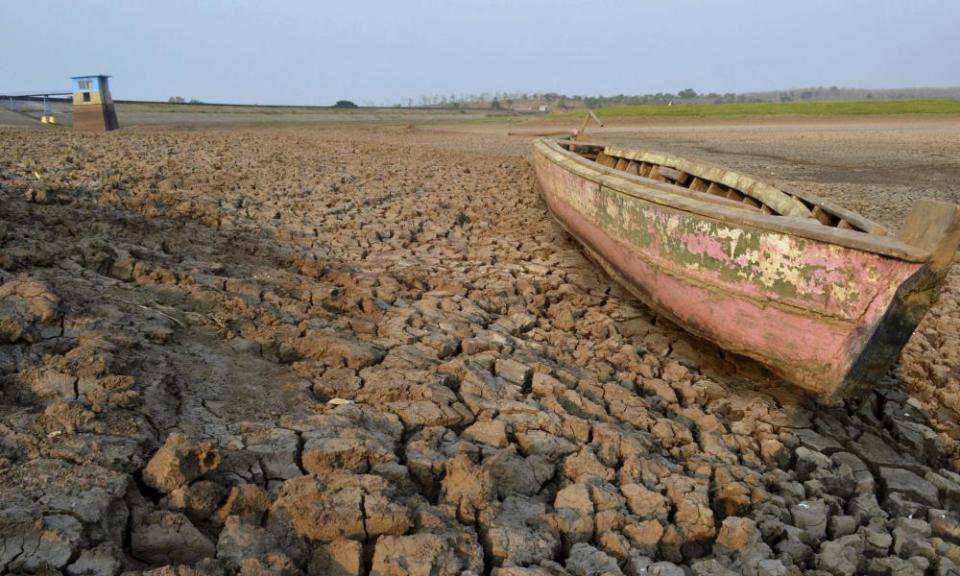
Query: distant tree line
[[523, 101], [554, 100]]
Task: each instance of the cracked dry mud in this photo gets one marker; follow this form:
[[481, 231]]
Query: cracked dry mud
[[370, 351]]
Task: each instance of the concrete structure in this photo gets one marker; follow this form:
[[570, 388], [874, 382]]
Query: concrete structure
[[92, 104]]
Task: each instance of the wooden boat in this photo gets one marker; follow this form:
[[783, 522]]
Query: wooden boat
[[822, 296]]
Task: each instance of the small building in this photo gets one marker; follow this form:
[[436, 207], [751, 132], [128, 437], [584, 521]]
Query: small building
[[92, 104]]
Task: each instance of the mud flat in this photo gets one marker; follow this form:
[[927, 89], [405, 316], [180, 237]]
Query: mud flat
[[368, 350]]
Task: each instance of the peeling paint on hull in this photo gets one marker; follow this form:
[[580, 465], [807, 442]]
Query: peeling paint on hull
[[804, 307]]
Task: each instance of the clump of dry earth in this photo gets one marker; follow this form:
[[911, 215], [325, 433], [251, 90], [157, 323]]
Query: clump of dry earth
[[370, 351]]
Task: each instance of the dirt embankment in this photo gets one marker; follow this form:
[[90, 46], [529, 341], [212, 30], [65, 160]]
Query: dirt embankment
[[371, 352]]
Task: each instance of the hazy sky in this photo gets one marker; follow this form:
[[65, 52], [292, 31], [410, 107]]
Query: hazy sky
[[383, 51]]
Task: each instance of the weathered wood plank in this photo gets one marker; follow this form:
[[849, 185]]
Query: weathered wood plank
[[669, 173], [656, 175], [856, 221], [606, 160], [716, 190], [934, 226], [822, 216]]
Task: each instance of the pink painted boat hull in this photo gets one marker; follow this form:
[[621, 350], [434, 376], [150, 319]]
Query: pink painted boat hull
[[824, 314]]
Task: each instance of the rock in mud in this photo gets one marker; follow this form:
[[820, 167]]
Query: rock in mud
[[736, 534], [179, 461], [420, 554], [351, 438], [198, 500], [512, 474], [812, 516], [28, 543], [103, 560], [585, 560], [468, 487], [247, 502], [645, 503], [342, 506], [492, 433], [910, 485], [911, 537], [841, 557], [277, 450], [163, 537], [28, 310], [520, 533], [338, 558], [239, 541], [338, 350]]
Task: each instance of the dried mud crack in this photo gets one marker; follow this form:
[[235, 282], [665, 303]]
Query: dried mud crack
[[370, 351]]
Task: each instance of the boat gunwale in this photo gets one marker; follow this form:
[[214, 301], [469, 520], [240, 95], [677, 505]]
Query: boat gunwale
[[661, 194]]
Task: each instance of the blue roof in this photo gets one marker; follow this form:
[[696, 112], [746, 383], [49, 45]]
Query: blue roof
[[91, 76]]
